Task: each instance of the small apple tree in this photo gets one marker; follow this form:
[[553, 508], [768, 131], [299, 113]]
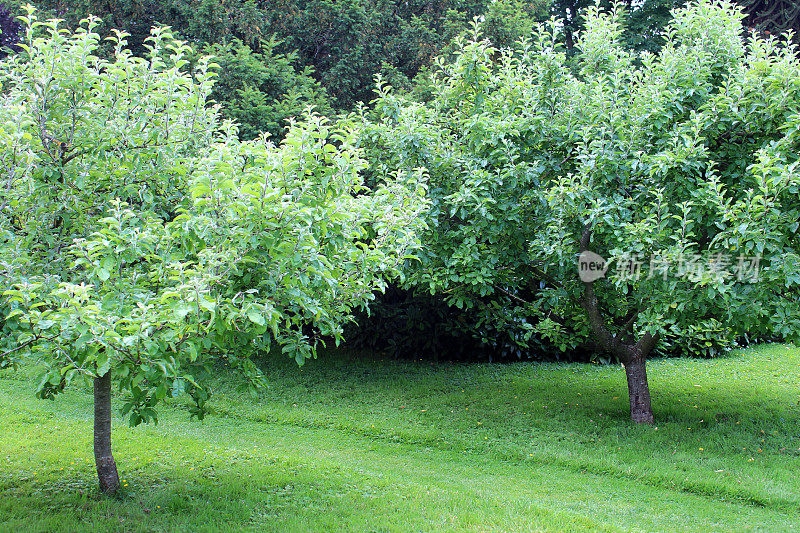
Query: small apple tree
[[143, 239]]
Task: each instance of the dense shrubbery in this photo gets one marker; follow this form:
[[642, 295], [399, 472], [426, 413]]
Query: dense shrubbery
[[412, 323]]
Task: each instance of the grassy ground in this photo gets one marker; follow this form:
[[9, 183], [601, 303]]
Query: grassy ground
[[375, 445]]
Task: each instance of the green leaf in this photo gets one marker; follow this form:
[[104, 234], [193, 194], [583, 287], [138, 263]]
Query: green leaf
[[256, 317], [103, 364]]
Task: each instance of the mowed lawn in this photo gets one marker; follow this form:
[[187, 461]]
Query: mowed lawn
[[366, 444]]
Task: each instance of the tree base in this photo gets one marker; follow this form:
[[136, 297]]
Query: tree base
[[107, 475], [103, 458], [639, 391]]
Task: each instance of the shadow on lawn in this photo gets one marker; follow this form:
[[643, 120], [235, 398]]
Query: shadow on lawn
[[562, 392]]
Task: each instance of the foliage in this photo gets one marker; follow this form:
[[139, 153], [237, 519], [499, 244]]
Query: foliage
[[348, 42], [644, 28], [258, 86], [151, 240], [703, 338], [647, 21], [204, 21], [70, 142], [263, 90], [688, 154], [275, 48], [508, 21], [646, 24], [408, 323], [78, 130], [291, 239], [83, 137], [345, 43]]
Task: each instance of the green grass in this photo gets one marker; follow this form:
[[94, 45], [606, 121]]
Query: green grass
[[358, 444]]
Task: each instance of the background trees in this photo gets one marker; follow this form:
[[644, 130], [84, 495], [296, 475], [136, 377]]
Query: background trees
[[773, 17], [262, 90], [276, 48], [9, 31], [344, 43]]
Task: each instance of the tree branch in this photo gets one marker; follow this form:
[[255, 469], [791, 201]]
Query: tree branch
[[28, 343], [511, 295]]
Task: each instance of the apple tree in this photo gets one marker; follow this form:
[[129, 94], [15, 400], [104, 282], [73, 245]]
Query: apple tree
[[680, 170], [143, 240]]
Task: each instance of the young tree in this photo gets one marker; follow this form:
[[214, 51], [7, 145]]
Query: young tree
[[143, 240], [680, 170], [79, 132]]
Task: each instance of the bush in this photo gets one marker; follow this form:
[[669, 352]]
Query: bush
[[264, 90]]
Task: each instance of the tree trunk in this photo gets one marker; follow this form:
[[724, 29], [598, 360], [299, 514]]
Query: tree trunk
[[639, 390], [104, 460], [632, 354]]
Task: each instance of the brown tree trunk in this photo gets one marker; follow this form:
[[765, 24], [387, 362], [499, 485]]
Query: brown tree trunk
[[104, 460], [633, 353], [639, 390]]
